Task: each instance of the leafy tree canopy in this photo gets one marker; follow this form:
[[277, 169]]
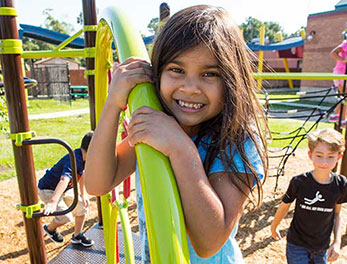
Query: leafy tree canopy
[[251, 29]]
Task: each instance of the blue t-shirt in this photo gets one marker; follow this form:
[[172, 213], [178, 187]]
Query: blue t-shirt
[[230, 252], [62, 168]]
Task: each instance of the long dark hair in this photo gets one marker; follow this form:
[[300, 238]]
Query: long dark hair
[[242, 114]]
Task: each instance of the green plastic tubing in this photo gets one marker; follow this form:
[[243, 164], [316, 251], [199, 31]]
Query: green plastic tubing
[[163, 209]]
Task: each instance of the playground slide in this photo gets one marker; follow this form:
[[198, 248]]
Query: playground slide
[[53, 37], [48, 36], [283, 45]]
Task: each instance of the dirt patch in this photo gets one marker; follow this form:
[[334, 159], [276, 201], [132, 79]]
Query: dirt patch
[[254, 234]]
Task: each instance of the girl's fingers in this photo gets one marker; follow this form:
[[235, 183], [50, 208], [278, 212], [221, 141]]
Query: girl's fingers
[[143, 110], [143, 71], [137, 137], [115, 65], [132, 60]]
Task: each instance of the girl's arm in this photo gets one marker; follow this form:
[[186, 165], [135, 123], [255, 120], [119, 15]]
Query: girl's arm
[[212, 207], [334, 249], [108, 164], [335, 54], [104, 167], [280, 214]]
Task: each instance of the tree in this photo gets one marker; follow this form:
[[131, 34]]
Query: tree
[[3, 113], [80, 20], [55, 25], [251, 29], [52, 24], [153, 25]]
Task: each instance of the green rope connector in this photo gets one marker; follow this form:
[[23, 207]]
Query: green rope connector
[[89, 52], [30, 209], [121, 205], [88, 72], [8, 11], [19, 137], [109, 64], [11, 46], [90, 28]]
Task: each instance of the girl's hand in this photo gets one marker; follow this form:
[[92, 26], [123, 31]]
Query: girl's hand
[[126, 76], [157, 130]]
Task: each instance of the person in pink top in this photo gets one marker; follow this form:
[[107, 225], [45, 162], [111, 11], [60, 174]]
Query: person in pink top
[[339, 54]]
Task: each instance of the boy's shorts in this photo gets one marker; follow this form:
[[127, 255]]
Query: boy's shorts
[[64, 202]]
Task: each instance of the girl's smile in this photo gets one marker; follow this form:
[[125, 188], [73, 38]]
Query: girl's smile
[[192, 88]]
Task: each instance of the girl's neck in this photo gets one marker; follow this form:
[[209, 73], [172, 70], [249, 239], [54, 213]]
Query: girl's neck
[[190, 131], [322, 176]]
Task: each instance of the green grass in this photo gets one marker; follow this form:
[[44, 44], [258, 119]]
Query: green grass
[[71, 129], [292, 98], [281, 125], [39, 106]]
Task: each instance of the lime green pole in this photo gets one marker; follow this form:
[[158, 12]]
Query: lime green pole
[[163, 209], [109, 214], [126, 229]]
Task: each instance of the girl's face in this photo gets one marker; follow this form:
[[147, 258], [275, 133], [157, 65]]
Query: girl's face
[[192, 88]]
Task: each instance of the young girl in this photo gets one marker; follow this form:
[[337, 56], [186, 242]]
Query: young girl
[[210, 130], [339, 54]]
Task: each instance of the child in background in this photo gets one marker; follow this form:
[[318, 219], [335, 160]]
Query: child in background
[[339, 54], [318, 195], [210, 130], [55, 190]]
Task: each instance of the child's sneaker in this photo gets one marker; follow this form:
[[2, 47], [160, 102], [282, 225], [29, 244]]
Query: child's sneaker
[[82, 239], [53, 235]]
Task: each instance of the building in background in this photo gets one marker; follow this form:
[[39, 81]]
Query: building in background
[[323, 33]]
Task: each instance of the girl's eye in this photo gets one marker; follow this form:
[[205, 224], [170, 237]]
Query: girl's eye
[[176, 70], [211, 74]]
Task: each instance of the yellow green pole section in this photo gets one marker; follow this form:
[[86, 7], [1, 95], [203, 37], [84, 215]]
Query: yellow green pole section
[[261, 53], [68, 40], [285, 62], [299, 76], [103, 50], [163, 209], [302, 33], [126, 230], [53, 53]]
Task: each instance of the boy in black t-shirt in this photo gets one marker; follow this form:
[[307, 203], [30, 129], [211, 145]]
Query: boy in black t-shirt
[[319, 195]]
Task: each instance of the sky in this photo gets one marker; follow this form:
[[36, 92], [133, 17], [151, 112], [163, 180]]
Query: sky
[[291, 15]]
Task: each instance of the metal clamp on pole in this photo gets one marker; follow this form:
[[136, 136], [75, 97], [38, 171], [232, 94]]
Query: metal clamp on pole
[[8, 11], [11, 46], [20, 137], [89, 52], [73, 170], [88, 72], [90, 28], [30, 209]]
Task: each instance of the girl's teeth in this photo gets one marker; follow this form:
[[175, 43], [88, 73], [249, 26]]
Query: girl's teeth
[[188, 105]]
